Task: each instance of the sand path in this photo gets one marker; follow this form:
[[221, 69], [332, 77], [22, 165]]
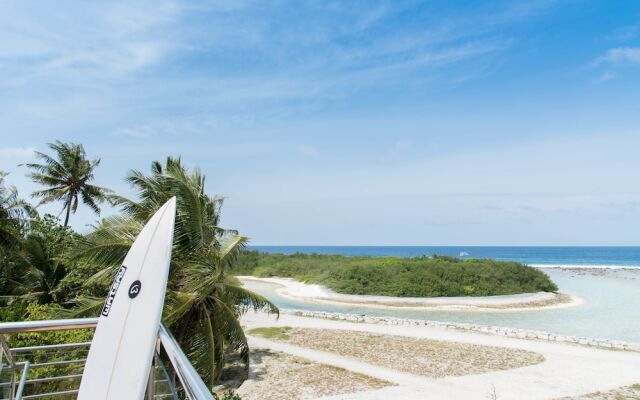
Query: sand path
[[568, 370]]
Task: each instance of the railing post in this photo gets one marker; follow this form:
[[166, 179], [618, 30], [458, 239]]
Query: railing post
[[8, 391], [23, 380], [151, 384], [6, 351]]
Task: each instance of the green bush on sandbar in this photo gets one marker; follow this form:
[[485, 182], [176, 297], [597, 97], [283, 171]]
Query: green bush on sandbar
[[404, 277]]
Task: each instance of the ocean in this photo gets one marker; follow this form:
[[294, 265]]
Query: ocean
[[592, 257], [611, 293]]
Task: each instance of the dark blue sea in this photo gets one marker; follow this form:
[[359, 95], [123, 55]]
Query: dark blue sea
[[549, 256]]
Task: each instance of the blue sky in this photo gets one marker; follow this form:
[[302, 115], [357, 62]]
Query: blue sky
[[355, 122]]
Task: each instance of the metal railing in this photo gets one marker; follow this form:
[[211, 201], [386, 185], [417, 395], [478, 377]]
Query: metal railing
[[180, 381]]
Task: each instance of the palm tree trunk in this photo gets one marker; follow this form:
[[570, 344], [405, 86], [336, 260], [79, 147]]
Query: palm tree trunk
[[66, 218]]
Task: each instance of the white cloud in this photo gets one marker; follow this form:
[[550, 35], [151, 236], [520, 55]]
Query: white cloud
[[309, 151], [625, 33], [18, 153], [139, 132], [615, 59], [605, 76], [87, 43], [112, 63], [620, 55]]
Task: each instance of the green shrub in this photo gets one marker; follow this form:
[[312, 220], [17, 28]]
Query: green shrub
[[228, 395]]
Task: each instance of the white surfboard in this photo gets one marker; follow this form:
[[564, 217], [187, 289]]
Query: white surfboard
[[121, 352]]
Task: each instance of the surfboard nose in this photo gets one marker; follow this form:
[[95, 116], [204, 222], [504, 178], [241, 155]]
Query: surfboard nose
[[170, 206]]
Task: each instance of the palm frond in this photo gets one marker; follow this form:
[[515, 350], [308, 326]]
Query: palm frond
[[83, 307], [244, 300], [177, 304]]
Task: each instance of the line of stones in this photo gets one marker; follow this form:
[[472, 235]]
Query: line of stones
[[495, 330]]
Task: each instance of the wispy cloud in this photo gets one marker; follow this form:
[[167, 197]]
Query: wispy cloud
[[624, 33], [85, 43], [273, 59], [614, 60], [604, 77], [618, 56], [17, 153], [139, 132], [309, 151]]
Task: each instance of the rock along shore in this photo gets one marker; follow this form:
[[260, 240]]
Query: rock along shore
[[494, 330]]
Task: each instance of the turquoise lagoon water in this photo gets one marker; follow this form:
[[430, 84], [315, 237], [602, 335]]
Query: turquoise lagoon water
[[612, 295]]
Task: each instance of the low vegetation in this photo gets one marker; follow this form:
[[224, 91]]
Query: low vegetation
[[272, 332], [426, 357], [280, 376], [623, 393], [404, 277]]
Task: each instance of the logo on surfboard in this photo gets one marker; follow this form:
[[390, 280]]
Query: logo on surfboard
[[112, 292], [134, 289]]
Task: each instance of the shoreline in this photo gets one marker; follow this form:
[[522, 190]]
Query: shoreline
[[313, 293], [586, 267]]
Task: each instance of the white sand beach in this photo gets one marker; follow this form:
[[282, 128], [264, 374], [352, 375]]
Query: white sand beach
[[557, 370], [295, 290]]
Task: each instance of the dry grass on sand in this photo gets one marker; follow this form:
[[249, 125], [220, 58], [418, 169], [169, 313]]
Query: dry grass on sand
[[432, 358], [279, 376], [624, 393]]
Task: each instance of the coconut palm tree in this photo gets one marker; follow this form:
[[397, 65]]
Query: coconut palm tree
[[67, 177], [41, 260], [203, 303], [15, 215]]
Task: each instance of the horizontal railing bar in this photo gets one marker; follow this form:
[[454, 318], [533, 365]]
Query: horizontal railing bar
[[52, 394], [48, 379], [47, 325], [49, 347], [55, 378], [64, 362]]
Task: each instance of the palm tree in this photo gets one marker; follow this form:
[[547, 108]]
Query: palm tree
[[15, 215], [41, 260], [203, 303], [68, 178]]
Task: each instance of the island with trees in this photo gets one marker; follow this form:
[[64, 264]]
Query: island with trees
[[426, 276]]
